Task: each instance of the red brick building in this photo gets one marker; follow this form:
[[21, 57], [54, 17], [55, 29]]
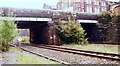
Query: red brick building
[[116, 9], [83, 6]]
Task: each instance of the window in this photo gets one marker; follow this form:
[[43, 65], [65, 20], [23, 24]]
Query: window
[[87, 1], [78, 5], [103, 9], [97, 2], [88, 9], [82, 9], [97, 11], [90, 2], [104, 3]]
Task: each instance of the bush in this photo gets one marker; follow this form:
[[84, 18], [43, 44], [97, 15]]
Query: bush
[[8, 31], [72, 32], [109, 27], [104, 24], [24, 39], [116, 22]]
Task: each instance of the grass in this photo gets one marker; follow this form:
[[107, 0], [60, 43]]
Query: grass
[[0, 55], [28, 58], [24, 39], [14, 49], [95, 47]]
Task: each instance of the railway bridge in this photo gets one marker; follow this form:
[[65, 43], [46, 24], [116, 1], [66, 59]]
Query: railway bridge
[[40, 23]]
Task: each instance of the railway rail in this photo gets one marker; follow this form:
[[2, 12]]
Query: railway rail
[[78, 51]]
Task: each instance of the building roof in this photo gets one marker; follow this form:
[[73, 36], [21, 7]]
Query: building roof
[[114, 6]]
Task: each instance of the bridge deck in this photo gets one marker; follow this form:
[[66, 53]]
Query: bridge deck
[[47, 13]]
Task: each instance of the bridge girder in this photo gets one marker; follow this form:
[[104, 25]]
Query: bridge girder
[[30, 24]]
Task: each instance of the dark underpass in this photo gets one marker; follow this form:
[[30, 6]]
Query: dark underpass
[[92, 32], [40, 31], [41, 34]]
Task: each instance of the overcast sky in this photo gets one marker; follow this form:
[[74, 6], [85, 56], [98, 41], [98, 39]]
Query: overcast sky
[[26, 3], [34, 4]]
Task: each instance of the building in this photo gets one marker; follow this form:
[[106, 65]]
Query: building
[[83, 6], [115, 8], [109, 4], [46, 6]]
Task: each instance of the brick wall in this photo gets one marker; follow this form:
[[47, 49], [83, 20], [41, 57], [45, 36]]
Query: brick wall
[[117, 10]]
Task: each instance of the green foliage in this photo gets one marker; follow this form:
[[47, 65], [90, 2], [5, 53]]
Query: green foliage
[[104, 23], [24, 39], [7, 31], [106, 48], [26, 58], [72, 32], [107, 21], [116, 21]]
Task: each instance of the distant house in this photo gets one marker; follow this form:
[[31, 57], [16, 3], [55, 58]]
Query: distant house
[[46, 6]]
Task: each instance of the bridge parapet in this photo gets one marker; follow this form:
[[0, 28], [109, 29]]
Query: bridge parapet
[[47, 13]]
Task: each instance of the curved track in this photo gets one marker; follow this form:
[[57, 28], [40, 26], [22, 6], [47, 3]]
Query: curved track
[[79, 52]]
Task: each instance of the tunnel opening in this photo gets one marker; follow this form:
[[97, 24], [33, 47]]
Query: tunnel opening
[[91, 30], [39, 31]]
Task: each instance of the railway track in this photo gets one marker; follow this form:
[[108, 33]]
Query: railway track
[[79, 52]]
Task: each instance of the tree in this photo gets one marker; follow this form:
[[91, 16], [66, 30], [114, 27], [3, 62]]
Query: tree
[[116, 22], [109, 26], [104, 23], [71, 32], [8, 31]]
